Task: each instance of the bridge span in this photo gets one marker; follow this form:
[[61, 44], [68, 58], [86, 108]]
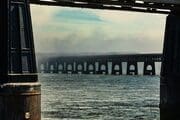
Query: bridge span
[[100, 64]]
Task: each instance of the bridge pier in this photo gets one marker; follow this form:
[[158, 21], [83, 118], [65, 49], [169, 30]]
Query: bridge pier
[[55, 64], [114, 71], [132, 68], [170, 71], [149, 68], [46, 67], [19, 88]]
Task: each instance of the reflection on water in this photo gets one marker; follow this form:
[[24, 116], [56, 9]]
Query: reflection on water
[[99, 97]]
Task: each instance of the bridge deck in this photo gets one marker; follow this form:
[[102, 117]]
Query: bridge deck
[[150, 6], [125, 57]]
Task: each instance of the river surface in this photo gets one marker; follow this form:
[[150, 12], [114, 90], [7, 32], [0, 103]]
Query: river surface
[[99, 97]]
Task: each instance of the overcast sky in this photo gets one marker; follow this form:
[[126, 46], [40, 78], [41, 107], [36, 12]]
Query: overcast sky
[[75, 30]]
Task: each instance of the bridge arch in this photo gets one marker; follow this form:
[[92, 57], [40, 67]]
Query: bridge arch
[[52, 68], [79, 67], [91, 68], [132, 68], [60, 67], [103, 67], [116, 67], [42, 67], [69, 67], [149, 68]]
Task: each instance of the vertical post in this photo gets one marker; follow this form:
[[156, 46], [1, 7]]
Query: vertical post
[[170, 71], [19, 88]]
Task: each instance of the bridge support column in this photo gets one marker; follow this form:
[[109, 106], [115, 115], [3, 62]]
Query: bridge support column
[[46, 67], [55, 67], [132, 68], [147, 71], [170, 71], [19, 87]]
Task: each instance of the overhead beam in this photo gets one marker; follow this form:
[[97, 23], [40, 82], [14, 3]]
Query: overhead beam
[[127, 5]]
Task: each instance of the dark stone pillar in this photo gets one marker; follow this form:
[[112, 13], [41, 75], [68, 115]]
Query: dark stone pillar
[[64, 68], [55, 67], [149, 72], [101, 63], [19, 88], [46, 67], [170, 71], [130, 71], [113, 68]]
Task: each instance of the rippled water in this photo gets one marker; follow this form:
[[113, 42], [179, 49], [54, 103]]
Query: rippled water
[[99, 97]]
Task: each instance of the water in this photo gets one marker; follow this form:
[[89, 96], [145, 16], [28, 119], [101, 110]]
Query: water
[[99, 97]]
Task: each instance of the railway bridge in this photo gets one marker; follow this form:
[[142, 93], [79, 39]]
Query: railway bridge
[[100, 64], [19, 86]]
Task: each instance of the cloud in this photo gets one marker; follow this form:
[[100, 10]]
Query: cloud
[[77, 15], [70, 30]]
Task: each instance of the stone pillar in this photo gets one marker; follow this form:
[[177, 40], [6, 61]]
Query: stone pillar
[[55, 67], [46, 70], [170, 71], [19, 87]]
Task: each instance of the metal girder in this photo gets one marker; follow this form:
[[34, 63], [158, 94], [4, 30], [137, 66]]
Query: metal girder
[[150, 6]]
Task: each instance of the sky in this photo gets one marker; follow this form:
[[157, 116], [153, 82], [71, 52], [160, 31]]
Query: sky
[[76, 30]]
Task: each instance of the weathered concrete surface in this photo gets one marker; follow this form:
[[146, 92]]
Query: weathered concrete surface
[[20, 101]]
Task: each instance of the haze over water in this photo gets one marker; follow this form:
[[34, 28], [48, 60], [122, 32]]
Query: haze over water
[[99, 97]]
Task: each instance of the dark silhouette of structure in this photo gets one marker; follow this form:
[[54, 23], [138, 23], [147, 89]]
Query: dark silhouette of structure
[[98, 64], [19, 87]]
